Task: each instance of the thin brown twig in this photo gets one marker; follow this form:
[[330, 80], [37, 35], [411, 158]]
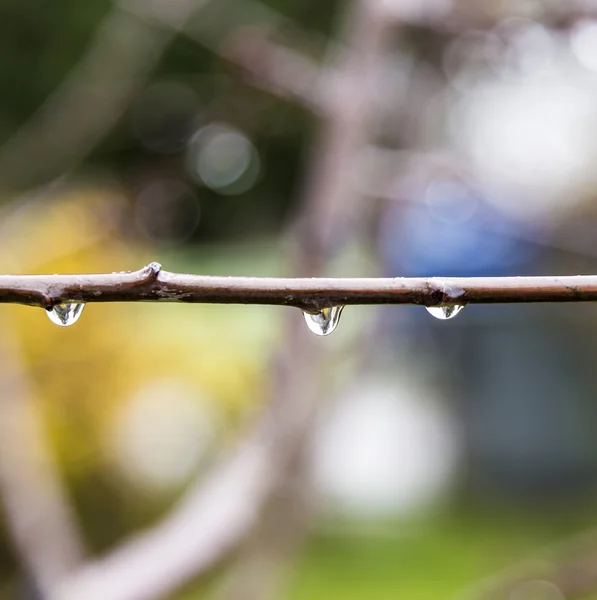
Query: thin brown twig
[[151, 284]]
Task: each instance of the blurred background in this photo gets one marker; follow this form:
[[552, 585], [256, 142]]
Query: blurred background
[[207, 451]]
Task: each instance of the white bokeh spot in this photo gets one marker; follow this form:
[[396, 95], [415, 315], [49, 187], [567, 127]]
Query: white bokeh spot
[[160, 437]]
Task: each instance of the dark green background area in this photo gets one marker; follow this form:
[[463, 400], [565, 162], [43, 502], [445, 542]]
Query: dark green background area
[[41, 42]]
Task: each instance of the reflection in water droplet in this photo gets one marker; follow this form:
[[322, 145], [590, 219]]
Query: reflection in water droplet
[[324, 321], [445, 311], [67, 314]]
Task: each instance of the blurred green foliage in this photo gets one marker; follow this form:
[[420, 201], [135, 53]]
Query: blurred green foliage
[[40, 44], [442, 556]]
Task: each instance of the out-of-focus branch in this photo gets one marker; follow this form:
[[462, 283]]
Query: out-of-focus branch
[[209, 521], [293, 75], [331, 188], [276, 69], [40, 520], [330, 211], [217, 514], [238, 30], [455, 16], [82, 110], [38, 513], [571, 568]]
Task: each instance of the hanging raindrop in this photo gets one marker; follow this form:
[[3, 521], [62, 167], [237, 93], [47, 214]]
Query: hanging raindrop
[[324, 321], [66, 314], [444, 311]]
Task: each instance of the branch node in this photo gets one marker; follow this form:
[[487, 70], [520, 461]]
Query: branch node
[[151, 272]]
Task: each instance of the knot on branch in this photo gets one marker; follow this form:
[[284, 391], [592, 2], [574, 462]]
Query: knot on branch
[[151, 272]]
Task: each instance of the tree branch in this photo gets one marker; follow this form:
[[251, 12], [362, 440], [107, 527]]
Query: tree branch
[[151, 284]]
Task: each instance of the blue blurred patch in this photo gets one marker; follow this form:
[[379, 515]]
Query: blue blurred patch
[[450, 230]]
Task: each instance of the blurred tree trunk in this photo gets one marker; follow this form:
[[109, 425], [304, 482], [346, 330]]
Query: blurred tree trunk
[[331, 209]]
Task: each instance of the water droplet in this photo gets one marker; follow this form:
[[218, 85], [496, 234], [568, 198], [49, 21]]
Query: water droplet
[[324, 321], [66, 314], [445, 311]]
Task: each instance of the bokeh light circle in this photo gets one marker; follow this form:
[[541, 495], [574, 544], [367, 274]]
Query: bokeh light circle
[[223, 159]]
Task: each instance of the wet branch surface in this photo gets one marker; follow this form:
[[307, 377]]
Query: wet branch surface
[[151, 284]]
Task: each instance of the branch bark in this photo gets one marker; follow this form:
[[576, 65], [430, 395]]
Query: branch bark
[[151, 284]]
